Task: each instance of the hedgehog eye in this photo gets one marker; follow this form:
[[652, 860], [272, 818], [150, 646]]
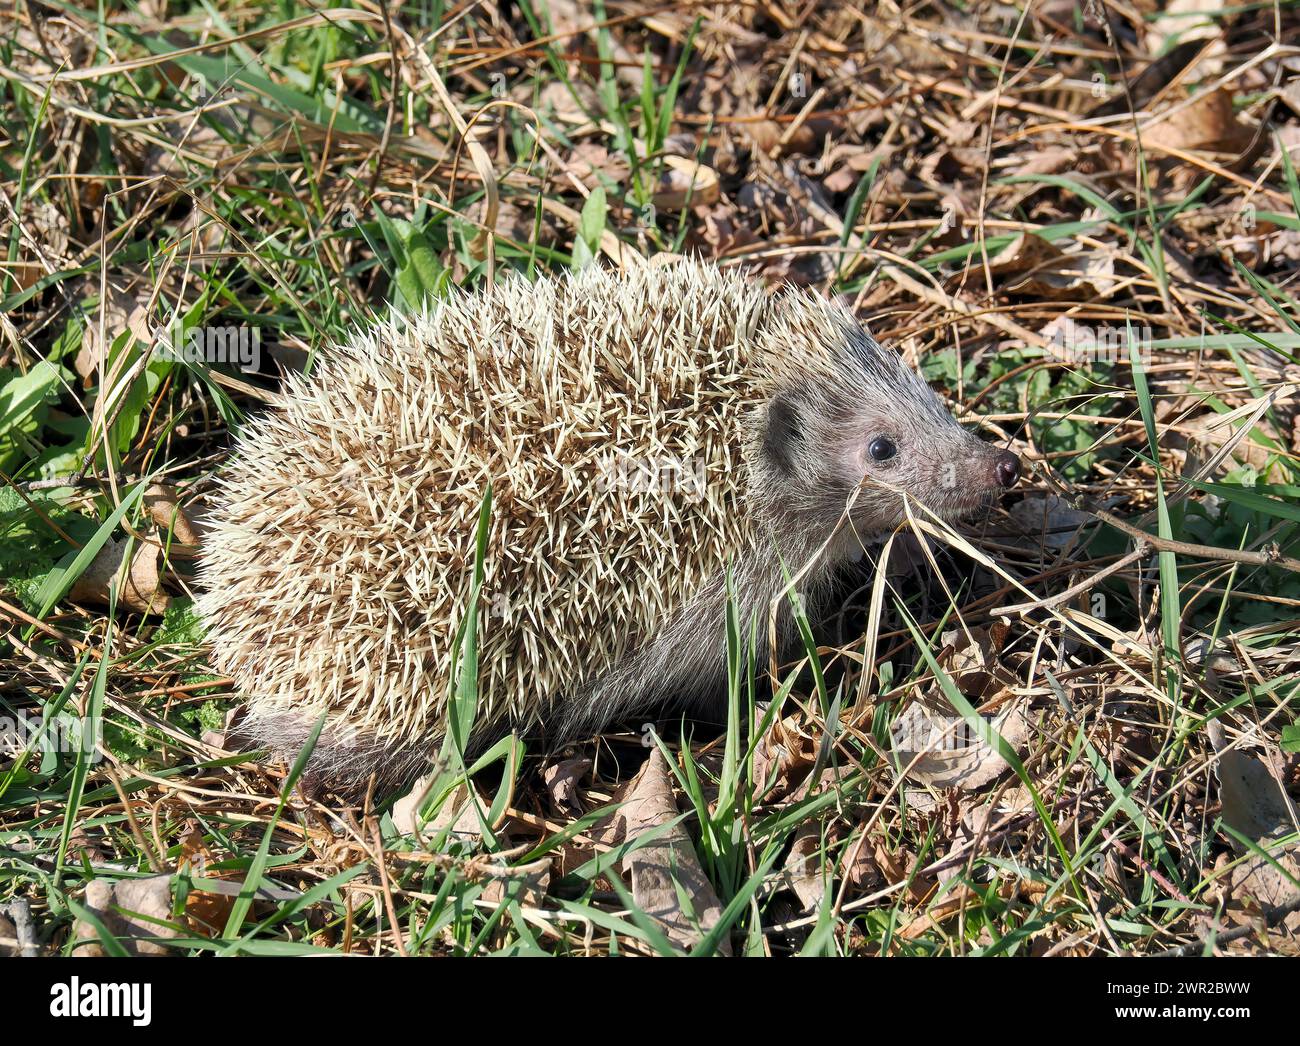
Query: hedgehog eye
[[881, 448]]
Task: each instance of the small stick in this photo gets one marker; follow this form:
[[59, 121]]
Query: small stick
[[1272, 555], [1272, 916]]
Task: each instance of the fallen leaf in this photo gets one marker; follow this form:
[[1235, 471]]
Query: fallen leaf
[[1049, 519], [59, 41], [973, 658], [1206, 435], [1050, 160], [165, 510], [1037, 268], [861, 871], [567, 19], [659, 869], [562, 782], [685, 181], [119, 312], [897, 870], [221, 739], [1253, 802], [456, 812], [934, 744], [767, 134], [42, 243], [206, 912], [82, 847], [559, 99], [131, 910], [588, 161], [722, 228], [1256, 805], [802, 872], [535, 879], [1209, 123], [782, 758], [139, 583]]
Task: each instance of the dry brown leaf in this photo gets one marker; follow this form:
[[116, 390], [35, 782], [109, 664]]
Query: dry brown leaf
[[895, 869], [842, 179], [139, 584], [1260, 879], [848, 162], [802, 871], [1253, 802], [827, 780], [567, 19], [222, 738], [767, 134], [1050, 160], [558, 99], [723, 229], [1256, 805], [456, 812], [685, 181], [128, 910], [120, 312], [948, 752], [861, 871], [974, 826], [562, 782], [1209, 123], [536, 879], [60, 41], [1252, 886], [82, 846], [973, 659], [164, 509], [1048, 519], [588, 161], [1037, 268], [948, 758], [42, 244], [960, 896], [784, 756], [206, 912], [1206, 435], [513, 222], [658, 869]]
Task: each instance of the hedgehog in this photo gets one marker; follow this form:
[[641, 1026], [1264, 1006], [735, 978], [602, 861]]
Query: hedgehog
[[656, 442]]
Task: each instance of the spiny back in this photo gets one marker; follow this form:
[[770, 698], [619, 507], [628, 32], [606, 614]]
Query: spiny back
[[607, 413]]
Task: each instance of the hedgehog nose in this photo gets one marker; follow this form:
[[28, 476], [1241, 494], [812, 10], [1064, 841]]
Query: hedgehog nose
[[1006, 469]]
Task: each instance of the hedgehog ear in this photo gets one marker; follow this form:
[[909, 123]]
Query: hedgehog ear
[[782, 432]]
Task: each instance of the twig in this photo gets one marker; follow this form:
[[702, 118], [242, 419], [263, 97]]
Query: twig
[[1272, 916], [1271, 556]]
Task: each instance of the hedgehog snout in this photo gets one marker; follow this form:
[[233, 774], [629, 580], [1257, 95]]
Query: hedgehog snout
[[972, 473], [1006, 469]]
